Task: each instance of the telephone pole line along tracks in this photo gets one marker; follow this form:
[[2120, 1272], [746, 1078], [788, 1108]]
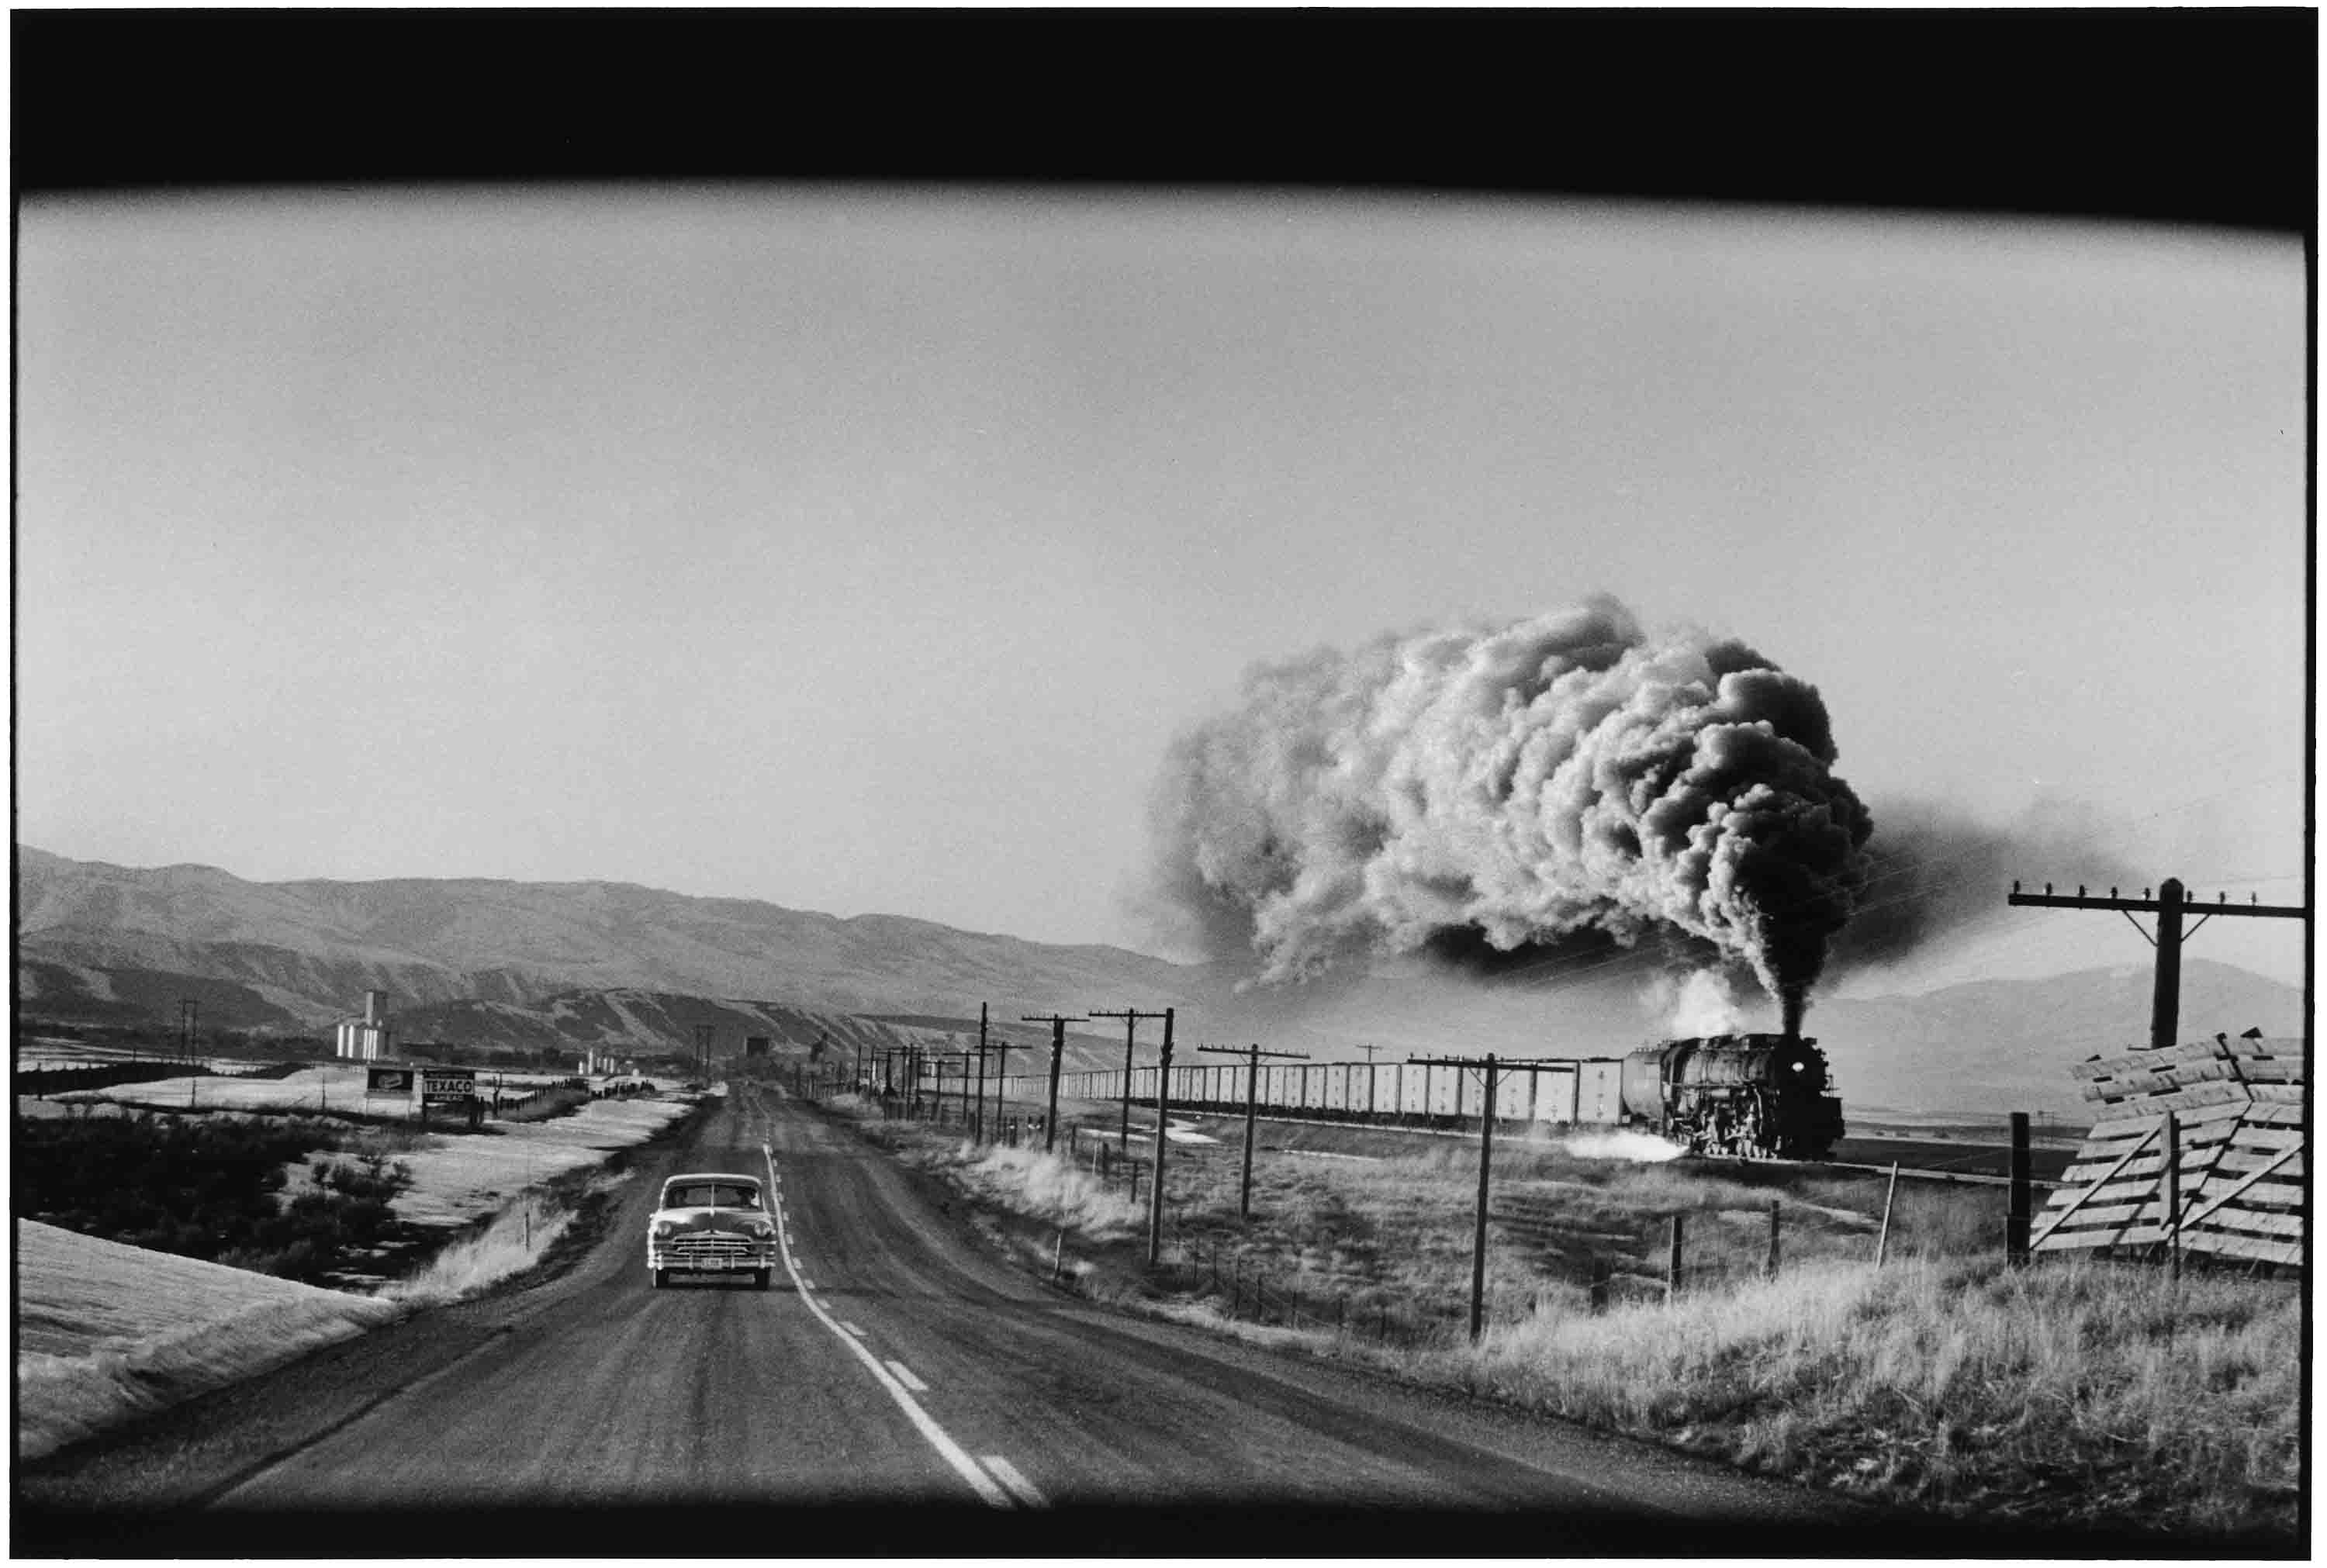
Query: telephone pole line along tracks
[[2169, 905], [901, 1368]]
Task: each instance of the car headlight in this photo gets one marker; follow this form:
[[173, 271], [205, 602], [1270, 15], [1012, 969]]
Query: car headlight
[[764, 1231], [665, 1228]]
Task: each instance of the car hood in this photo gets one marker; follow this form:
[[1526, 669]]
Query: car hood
[[742, 1219]]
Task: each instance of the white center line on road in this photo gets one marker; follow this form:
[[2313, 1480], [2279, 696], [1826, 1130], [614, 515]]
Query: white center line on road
[[952, 1452], [905, 1375], [1020, 1487]]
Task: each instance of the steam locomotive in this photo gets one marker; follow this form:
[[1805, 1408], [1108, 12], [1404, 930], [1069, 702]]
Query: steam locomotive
[[1747, 1096]]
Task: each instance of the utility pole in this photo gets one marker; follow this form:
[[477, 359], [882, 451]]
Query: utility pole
[[190, 1014], [1486, 1159], [1252, 1055], [1372, 1087], [1163, 1105], [2165, 997], [1058, 1022], [703, 1052], [1478, 1238], [1001, 1078], [1131, 1017], [977, 1126]]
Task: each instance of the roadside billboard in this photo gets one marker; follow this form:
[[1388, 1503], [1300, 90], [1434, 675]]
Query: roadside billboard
[[390, 1080]]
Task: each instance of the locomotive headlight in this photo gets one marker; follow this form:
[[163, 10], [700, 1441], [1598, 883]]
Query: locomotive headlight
[[1797, 1066]]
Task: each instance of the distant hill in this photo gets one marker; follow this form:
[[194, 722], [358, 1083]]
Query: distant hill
[[99, 939], [2006, 1045], [615, 965]]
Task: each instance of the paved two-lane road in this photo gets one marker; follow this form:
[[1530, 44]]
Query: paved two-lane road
[[901, 1384]]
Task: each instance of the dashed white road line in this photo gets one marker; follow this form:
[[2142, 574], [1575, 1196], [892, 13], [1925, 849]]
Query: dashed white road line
[[1020, 1487], [905, 1375], [853, 1329], [952, 1452]]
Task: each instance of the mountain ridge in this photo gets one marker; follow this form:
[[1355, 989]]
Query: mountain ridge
[[463, 957]]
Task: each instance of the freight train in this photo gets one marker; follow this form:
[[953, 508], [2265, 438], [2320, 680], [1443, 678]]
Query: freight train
[[1744, 1096]]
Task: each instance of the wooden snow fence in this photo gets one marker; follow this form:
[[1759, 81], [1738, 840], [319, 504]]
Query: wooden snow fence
[[2236, 1130]]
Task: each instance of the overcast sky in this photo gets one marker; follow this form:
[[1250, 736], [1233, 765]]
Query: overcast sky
[[863, 553]]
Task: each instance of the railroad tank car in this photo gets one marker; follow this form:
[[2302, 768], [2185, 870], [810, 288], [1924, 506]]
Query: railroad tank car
[[1748, 1095]]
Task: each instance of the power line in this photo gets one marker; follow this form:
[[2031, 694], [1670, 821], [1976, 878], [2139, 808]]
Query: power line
[[2165, 1002]]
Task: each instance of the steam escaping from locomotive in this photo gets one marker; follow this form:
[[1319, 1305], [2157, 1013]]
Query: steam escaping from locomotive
[[1700, 1003], [1519, 785], [1623, 1143]]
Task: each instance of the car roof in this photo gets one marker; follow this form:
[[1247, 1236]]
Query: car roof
[[711, 1176]]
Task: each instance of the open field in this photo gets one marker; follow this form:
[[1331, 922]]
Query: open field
[[2046, 1162], [112, 1331], [457, 1176], [334, 1086], [106, 1333], [2076, 1394]]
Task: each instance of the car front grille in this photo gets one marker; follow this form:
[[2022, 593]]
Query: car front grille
[[705, 1248]]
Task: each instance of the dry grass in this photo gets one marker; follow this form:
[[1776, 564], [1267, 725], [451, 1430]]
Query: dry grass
[[2071, 1392], [1045, 1186], [2074, 1392], [512, 1241]]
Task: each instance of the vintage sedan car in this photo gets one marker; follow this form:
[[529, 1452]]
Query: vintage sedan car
[[712, 1222]]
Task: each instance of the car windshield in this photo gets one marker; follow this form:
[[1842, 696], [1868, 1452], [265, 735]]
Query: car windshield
[[710, 1195]]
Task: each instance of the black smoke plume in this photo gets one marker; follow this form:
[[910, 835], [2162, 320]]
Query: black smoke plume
[[1933, 871], [1495, 790]]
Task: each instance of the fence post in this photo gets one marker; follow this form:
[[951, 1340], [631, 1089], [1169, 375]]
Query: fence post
[[2015, 1219], [1772, 1270], [1673, 1259], [1883, 1238], [2173, 1191]]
